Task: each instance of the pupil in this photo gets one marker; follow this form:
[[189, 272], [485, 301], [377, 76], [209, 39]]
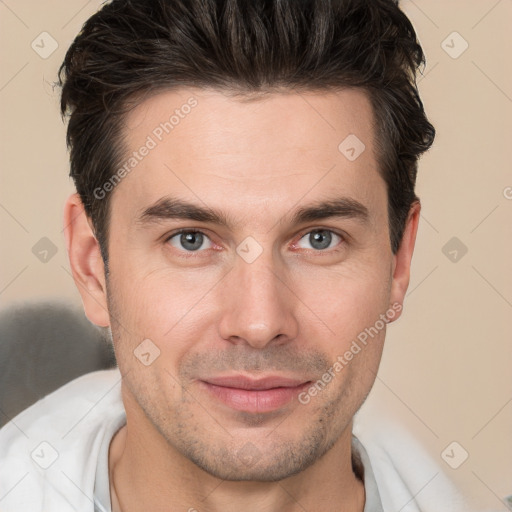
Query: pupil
[[192, 241], [320, 239]]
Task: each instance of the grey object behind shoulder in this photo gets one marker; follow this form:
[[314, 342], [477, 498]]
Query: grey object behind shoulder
[[44, 345]]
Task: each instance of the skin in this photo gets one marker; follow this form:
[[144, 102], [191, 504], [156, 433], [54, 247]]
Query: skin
[[290, 312]]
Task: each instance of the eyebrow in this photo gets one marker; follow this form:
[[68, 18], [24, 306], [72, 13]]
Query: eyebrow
[[173, 208]]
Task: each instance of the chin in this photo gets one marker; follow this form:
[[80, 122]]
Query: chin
[[250, 461]]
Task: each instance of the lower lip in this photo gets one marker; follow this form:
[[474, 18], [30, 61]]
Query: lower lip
[[255, 401]]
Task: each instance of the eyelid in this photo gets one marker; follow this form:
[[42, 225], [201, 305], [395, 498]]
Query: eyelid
[[181, 231]]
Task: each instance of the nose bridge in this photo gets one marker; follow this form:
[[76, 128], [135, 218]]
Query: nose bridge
[[258, 306]]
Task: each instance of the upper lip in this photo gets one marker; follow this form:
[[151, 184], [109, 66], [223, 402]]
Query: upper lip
[[248, 383]]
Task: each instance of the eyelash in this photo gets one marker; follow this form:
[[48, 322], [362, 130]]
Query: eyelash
[[193, 254]]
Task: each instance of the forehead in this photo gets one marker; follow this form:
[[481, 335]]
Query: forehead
[[286, 120], [207, 146]]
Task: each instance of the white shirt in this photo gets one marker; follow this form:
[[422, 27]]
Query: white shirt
[[54, 457]]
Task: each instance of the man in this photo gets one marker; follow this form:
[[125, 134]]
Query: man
[[244, 224]]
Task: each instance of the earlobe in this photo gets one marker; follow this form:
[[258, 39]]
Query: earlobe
[[85, 261], [403, 257]]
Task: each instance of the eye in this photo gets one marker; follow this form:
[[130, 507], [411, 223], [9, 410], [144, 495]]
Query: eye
[[190, 241], [320, 239]]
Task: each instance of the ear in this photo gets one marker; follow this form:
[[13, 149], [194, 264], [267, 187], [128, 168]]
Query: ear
[[402, 258], [85, 261]]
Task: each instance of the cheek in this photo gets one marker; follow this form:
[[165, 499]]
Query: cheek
[[348, 300], [170, 308]]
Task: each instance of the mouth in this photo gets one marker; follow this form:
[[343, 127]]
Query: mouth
[[243, 393]]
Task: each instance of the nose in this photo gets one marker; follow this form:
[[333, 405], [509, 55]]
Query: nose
[[258, 305]]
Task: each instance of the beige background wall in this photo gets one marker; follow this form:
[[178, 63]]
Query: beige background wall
[[447, 367]]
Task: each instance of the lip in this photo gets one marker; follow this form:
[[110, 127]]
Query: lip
[[261, 395]]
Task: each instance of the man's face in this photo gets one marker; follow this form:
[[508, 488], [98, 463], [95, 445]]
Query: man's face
[[248, 314]]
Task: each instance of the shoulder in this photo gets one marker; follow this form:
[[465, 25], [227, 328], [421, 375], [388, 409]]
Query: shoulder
[[49, 451], [404, 469]]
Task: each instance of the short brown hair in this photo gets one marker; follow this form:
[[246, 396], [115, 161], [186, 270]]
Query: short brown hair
[[132, 48]]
